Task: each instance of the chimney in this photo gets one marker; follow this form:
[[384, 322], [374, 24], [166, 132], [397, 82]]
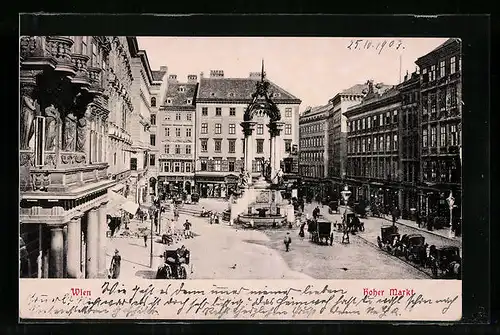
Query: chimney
[[255, 75], [172, 78], [216, 74], [192, 78], [164, 68], [201, 75]]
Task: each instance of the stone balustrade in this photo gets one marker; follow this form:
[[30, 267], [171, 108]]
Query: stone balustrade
[[82, 73]]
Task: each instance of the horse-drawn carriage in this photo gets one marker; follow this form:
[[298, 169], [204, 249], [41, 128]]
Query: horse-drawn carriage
[[446, 262], [389, 238], [319, 230], [412, 246], [333, 207], [175, 264], [354, 224]]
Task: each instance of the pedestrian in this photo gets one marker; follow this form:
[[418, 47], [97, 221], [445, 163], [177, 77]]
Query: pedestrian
[[287, 241], [187, 229], [145, 239], [331, 238], [114, 268], [301, 231]]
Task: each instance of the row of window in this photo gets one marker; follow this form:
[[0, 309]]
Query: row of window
[[373, 121], [312, 156], [312, 142], [232, 111], [175, 166], [371, 168], [448, 135], [187, 101], [442, 171], [232, 128], [446, 66], [312, 171], [232, 145], [178, 116], [178, 149], [442, 100], [361, 145], [177, 132], [312, 128], [218, 165]]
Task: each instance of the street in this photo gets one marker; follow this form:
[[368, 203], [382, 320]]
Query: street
[[231, 252]]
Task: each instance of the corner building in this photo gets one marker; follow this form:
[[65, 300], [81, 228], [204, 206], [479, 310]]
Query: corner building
[[74, 146], [440, 118], [177, 137], [220, 106]]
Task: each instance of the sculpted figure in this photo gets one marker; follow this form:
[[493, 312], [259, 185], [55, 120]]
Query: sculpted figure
[[28, 112], [69, 132], [81, 129], [52, 121]]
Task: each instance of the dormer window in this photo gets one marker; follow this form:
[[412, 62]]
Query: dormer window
[[189, 101], [276, 94], [212, 94], [181, 88], [153, 102], [169, 101]]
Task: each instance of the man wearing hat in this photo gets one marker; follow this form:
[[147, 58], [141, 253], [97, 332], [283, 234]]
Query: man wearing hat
[[114, 268], [287, 241]]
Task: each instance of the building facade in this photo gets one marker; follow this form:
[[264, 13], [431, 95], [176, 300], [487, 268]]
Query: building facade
[[373, 169], [140, 123], [220, 106], [313, 153], [158, 90], [73, 122], [337, 134], [440, 129], [410, 158], [176, 136]]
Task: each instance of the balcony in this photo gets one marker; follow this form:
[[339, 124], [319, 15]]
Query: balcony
[[54, 51], [61, 172], [96, 82], [82, 74]]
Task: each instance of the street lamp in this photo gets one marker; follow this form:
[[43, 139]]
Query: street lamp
[[451, 202], [345, 195]]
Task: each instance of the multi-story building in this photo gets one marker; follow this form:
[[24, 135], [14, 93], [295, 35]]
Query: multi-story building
[[158, 90], [313, 153], [440, 129], [140, 122], [409, 155], [373, 148], [220, 106], [74, 136], [176, 136], [337, 135]]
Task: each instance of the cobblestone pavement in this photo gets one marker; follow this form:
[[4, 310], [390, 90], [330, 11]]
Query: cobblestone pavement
[[224, 252]]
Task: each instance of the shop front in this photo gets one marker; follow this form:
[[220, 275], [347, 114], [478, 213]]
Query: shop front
[[169, 186]]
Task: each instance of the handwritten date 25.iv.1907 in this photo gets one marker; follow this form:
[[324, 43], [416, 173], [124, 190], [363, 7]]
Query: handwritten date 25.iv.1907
[[378, 46]]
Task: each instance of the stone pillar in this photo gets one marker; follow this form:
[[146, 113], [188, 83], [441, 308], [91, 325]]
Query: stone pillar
[[56, 268], [248, 127], [272, 160], [65, 254], [74, 239], [92, 242], [275, 129], [103, 228]]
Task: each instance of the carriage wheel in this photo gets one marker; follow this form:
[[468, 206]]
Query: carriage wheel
[[379, 242], [434, 270]]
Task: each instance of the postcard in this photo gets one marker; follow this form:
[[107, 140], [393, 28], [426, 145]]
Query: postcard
[[249, 178]]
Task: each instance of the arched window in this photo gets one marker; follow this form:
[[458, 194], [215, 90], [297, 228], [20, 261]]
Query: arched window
[[153, 102]]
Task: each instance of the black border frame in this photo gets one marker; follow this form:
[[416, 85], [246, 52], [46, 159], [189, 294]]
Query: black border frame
[[474, 31]]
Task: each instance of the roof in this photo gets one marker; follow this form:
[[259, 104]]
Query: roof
[[437, 51], [355, 90], [158, 75], [447, 42], [179, 98], [217, 89], [315, 110]]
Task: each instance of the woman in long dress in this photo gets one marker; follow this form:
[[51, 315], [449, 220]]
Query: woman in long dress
[[115, 265]]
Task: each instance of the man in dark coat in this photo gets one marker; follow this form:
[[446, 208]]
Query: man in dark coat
[[287, 241]]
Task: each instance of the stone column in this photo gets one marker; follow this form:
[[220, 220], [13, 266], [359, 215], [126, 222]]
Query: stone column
[[248, 127], [92, 242], [56, 268], [74, 239], [275, 129], [65, 254], [103, 228]]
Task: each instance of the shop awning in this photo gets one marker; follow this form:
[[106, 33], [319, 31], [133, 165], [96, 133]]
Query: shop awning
[[130, 207], [118, 187]]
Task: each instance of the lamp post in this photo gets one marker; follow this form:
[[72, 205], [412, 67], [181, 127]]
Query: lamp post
[[451, 202], [346, 194]]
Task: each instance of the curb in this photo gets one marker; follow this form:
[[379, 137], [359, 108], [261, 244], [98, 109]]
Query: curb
[[423, 230]]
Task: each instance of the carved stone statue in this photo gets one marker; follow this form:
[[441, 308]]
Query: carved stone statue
[[81, 130], [52, 122], [29, 109], [69, 132]]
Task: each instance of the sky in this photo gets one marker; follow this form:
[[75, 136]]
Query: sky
[[312, 69]]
